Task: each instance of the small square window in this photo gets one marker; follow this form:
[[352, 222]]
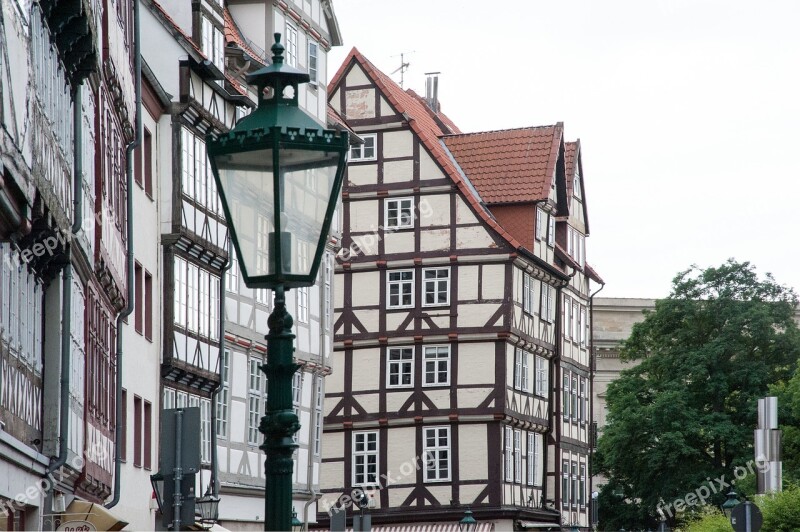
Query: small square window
[[399, 213], [364, 152]]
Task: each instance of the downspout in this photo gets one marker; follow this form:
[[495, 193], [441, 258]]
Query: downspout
[[66, 310], [129, 208], [213, 486], [592, 369]]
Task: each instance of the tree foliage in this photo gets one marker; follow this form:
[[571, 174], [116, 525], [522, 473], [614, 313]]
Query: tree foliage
[[781, 513], [684, 416]]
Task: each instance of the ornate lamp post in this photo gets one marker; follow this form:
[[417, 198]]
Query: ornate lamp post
[[279, 175]]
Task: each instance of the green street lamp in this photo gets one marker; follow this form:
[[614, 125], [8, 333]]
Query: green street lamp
[[297, 525], [467, 523], [279, 175], [730, 503]]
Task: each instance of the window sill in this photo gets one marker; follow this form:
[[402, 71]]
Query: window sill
[[405, 307], [436, 305], [399, 386], [436, 385]]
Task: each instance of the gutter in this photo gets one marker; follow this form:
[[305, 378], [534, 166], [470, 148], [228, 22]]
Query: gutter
[[66, 308], [592, 369], [137, 51]]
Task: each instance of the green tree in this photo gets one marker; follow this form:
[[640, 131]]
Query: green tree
[[684, 416]]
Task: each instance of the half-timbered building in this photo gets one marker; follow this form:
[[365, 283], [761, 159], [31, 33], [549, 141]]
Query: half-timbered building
[[67, 90], [448, 325]]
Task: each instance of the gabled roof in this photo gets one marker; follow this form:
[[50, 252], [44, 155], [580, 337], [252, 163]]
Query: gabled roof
[[570, 160], [425, 127], [511, 165]]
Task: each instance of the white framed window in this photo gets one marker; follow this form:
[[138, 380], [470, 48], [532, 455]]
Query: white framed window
[[366, 151], [541, 224], [528, 292], [400, 371], [436, 448], [399, 213], [551, 230], [521, 370], [313, 53], [574, 413], [565, 397], [263, 296], [574, 495], [297, 395], [212, 44], [254, 400], [535, 442], [302, 304], [205, 429], [565, 484], [223, 394], [435, 286], [584, 327], [582, 401], [517, 455], [291, 45], [401, 289], [541, 376], [547, 310], [576, 184], [365, 458], [582, 486], [575, 322], [327, 292], [318, 416], [509, 455], [567, 317], [232, 275], [436, 365]]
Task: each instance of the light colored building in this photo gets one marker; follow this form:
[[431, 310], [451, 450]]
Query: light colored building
[[449, 301]]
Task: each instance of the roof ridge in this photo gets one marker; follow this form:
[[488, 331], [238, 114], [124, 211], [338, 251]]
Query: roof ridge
[[521, 128]]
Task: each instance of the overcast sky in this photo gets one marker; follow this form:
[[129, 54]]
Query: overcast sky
[[688, 112]]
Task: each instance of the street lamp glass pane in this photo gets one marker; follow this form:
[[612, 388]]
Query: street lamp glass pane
[[308, 178], [247, 182]]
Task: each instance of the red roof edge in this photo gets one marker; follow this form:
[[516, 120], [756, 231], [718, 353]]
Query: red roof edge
[[563, 255], [593, 275]]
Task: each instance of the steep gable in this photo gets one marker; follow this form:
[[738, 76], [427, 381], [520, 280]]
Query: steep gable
[[420, 120]]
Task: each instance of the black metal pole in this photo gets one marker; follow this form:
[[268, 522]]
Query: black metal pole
[[280, 422], [176, 497]]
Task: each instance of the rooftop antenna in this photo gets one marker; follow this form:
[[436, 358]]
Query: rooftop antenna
[[403, 66]]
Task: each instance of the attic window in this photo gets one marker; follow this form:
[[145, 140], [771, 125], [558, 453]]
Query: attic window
[[576, 185], [364, 152], [313, 51]]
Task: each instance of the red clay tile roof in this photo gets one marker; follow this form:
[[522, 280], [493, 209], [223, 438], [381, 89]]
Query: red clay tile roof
[[509, 166], [425, 127], [439, 116], [570, 160], [234, 36]]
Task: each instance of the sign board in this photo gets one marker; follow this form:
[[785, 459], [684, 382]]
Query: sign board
[[76, 526], [746, 517], [190, 441]]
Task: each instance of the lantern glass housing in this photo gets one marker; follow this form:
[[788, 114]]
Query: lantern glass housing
[[208, 506], [157, 480], [278, 203], [279, 174]]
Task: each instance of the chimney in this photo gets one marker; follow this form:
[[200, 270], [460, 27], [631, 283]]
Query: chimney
[[432, 90]]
